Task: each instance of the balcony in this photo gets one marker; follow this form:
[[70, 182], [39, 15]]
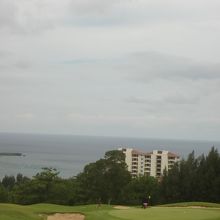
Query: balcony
[[158, 174], [171, 158], [147, 173]]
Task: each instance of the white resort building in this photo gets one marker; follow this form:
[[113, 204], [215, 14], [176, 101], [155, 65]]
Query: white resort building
[[152, 163]]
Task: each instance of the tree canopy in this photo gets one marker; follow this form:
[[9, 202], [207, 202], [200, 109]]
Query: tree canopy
[[107, 180]]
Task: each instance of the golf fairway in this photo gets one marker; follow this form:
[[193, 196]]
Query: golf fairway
[[92, 212], [167, 213]]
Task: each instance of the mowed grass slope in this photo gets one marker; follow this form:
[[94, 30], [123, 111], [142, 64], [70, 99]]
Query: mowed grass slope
[[40, 211], [167, 213]]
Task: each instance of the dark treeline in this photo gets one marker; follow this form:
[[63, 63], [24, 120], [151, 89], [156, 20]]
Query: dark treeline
[[194, 179], [107, 180]]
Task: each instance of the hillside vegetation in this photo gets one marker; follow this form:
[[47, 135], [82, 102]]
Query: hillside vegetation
[[107, 180]]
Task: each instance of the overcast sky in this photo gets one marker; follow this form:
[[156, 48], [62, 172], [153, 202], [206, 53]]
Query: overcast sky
[[136, 68]]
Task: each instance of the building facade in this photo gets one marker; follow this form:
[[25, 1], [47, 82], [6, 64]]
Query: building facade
[[152, 164]]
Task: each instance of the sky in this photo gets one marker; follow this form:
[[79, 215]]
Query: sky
[[132, 68]]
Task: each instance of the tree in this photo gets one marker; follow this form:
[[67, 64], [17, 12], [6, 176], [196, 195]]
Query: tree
[[212, 176], [187, 174], [20, 178], [194, 179], [104, 179], [140, 187], [116, 176], [91, 182], [62, 191], [3, 194], [170, 185], [8, 182], [37, 189]]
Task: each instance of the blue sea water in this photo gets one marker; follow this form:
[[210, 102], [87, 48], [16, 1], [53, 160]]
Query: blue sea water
[[69, 154]]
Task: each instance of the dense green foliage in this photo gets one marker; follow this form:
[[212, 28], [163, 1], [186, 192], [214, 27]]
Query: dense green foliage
[[105, 179], [194, 179], [108, 181], [92, 212]]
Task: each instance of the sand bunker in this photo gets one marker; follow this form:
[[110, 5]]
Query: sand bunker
[[66, 216], [121, 207]]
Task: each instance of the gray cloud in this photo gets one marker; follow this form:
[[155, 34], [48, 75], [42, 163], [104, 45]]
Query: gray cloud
[[30, 16], [95, 7], [23, 64], [7, 13], [150, 65], [4, 54], [15, 65], [72, 66], [174, 99], [36, 16], [131, 12]]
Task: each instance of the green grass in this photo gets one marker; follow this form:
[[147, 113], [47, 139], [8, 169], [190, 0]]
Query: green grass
[[179, 212], [187, 204], [168, 213]]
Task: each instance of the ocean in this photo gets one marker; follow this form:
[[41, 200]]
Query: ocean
[[69, 154]]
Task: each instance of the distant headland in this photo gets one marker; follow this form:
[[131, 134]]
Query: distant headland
[[11, 154]]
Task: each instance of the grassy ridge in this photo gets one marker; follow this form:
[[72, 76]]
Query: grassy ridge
[[195, 204], [40, 211]]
